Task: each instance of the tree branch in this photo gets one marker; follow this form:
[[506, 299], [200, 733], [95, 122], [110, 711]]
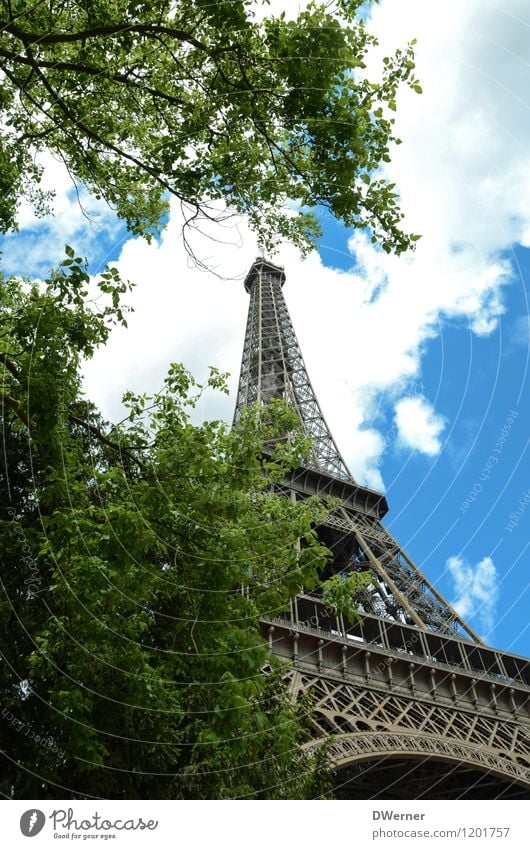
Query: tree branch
[[12, 404], [120, 152], [91, 70], [8, 363], [95, 431], [105, 31]]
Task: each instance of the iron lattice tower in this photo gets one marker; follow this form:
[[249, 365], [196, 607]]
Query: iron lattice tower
[[415, 704]]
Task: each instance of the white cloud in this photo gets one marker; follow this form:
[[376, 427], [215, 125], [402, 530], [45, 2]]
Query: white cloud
[[464, 176], [78, 219], [464, 168], [362, 342], [180, 313], [418, 427], [476, 590]]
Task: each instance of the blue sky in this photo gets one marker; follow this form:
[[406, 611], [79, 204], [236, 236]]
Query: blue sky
[[469, 501], [420, 363]]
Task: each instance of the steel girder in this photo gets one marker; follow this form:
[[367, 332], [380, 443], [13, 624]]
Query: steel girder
[[409, 681], [273, 367]]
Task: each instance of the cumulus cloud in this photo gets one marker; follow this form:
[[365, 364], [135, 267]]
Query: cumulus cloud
[[463, 172], [476, 590], [418, 427], [361, 332], [467, 137]]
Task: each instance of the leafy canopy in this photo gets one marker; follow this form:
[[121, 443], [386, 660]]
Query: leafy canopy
[[135, 564], [200, 100]]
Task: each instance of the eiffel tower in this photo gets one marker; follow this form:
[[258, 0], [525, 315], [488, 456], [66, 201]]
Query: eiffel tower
[[411, 701]]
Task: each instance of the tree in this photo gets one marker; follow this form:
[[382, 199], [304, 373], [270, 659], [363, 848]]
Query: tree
[[136, 560], [199, 100], [135, 563]]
